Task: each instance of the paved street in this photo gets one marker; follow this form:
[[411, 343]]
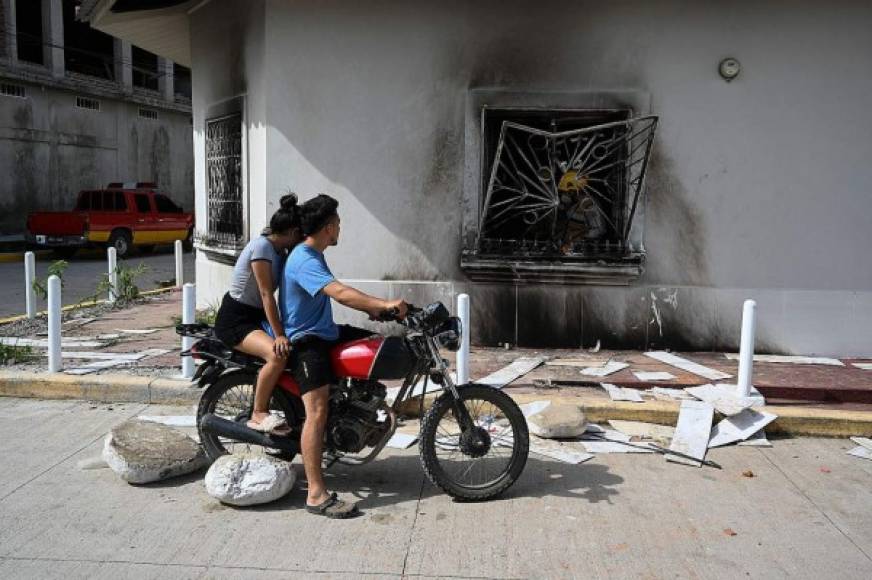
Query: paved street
[[807, 513], [83, 274]]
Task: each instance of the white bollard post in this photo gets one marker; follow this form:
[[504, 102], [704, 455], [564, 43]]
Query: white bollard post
[[54, 324], [463, 353], [746, 348], [29, 277], [179, 268], [112, 258], [189, 301]]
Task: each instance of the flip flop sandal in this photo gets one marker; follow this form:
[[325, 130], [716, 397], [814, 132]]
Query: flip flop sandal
[[334, 508], [272, 425]]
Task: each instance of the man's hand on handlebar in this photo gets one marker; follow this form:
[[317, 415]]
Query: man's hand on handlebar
[[391, 311]]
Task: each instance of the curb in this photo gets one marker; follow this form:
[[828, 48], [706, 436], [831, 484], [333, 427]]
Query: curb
[[114, 388], [796, 421], [10, 257], [87, 304]]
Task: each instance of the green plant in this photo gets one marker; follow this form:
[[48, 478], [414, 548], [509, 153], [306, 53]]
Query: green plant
[[40, 287], [12, 354], [126, 290], [203, 316]]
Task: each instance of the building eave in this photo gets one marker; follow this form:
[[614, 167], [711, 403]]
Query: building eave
[[163, 31]]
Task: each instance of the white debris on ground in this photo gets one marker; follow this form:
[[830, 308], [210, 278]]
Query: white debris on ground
[[143, 452], [798, 360], [863, 449], [512, 372], [725, 398], [667, 394], [402, 440], [617, 393], [692, 432], [687, 365], [171, 420], [653, 375], [758, 439], [863, 366], [604, 370], [739, 427], [662, 434], [118, 359]]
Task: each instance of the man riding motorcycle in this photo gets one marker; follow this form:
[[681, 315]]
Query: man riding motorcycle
[[306, 288]]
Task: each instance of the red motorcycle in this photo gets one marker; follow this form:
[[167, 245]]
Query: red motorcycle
[[473, 441]]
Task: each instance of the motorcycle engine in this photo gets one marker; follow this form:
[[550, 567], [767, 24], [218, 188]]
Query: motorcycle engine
[[354, 422]]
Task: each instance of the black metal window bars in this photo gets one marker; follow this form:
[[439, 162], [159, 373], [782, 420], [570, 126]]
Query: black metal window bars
[[224, 182], [570, 193]]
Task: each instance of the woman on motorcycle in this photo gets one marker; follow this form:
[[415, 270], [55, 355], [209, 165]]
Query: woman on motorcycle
[[251, 300]]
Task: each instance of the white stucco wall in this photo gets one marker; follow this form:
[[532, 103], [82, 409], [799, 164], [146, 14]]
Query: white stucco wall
[[758, 188]]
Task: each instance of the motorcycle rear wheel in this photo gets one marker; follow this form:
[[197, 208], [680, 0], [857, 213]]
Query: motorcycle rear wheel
[[232, 397], [452, 459]]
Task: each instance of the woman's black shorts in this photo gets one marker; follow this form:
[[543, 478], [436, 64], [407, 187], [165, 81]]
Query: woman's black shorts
[[236, 320]]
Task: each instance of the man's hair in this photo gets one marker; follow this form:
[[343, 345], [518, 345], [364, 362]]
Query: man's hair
[[317, 212]]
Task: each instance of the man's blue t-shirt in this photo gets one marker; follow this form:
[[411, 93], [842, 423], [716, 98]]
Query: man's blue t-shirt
[[305, 310]]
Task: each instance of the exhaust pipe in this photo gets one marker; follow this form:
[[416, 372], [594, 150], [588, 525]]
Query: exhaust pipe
[[239, 432]]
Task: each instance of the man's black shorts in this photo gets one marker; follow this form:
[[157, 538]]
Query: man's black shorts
[[309, 361]]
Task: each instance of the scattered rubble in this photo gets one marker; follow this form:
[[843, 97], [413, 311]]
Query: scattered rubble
[[653, 375], [617, 393], [144, 452], [799, 360], [661, 434], [725, 398], [687, 365], [512, 372], [604, 370], [739, 427], [692, 432], [557, 421], [247, 479]]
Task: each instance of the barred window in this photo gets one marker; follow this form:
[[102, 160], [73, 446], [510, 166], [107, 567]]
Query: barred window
[[149, 114], [224, 211], [86, 103], [11, 90]]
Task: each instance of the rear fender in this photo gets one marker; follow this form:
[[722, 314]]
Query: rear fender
[[206, 374]]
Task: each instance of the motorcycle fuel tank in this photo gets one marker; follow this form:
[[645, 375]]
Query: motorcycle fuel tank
[[376, 358]]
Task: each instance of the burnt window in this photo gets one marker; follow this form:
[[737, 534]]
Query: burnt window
[[182, 80], [28, 24], [224, 204], [86, 50], [560, 184], [142, 203], [166, 205]]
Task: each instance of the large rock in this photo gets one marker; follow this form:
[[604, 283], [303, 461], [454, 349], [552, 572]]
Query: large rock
[[246, 479], [143, 452], [557, 421]]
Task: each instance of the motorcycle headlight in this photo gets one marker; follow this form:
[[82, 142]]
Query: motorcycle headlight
[[449, 334]]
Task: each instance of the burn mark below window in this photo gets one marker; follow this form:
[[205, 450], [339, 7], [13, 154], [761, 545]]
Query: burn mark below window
[[559, 187]]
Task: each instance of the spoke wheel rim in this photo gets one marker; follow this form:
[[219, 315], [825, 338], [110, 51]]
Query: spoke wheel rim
[[478, 469]]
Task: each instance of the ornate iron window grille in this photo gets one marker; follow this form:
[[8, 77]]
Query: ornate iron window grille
[[565, 193], [224, 205]]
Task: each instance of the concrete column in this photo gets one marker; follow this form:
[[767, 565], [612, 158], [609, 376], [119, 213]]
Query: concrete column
[[53, 36], [165, 79], [123, 65], [10, 32]]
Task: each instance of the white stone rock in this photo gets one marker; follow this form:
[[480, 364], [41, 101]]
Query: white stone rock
[[247, 479], [557, 421], [143, 452]]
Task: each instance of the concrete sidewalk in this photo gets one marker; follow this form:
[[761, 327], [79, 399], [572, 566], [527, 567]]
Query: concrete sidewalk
[[806, 513]]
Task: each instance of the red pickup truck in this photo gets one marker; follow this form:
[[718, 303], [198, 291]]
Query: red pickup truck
[[122, 216]]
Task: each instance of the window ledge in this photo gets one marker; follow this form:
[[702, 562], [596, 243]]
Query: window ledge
[[617, 271]]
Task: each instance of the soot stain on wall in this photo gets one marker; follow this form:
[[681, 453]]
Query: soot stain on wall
[[675, 235]]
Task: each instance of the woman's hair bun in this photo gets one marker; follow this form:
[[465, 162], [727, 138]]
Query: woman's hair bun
[[288, 201]]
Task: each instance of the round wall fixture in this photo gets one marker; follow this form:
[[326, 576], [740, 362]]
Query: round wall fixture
[[729, 68]]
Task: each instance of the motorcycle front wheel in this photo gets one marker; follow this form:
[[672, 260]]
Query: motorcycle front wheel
[[483, 460]]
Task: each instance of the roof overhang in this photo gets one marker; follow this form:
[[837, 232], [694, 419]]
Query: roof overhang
[[159, 26]]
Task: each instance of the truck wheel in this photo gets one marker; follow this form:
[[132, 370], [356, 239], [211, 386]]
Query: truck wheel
[[120, 240]]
